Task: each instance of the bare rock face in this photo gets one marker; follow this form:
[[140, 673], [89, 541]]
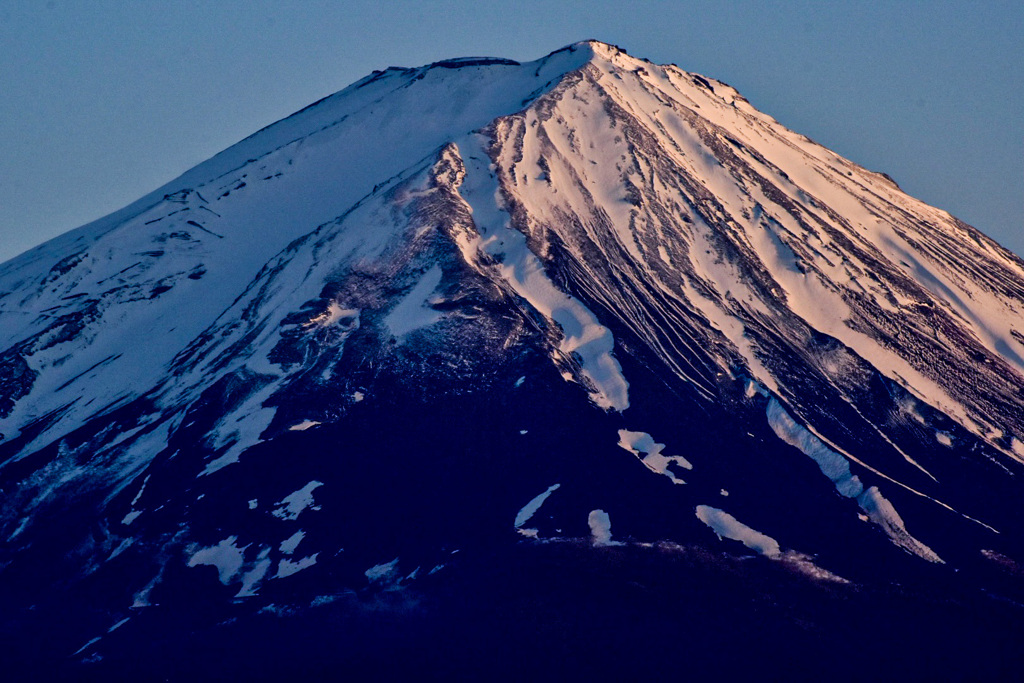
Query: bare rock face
[[535, 369]]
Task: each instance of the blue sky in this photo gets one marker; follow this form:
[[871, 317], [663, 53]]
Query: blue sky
[[102, 102]]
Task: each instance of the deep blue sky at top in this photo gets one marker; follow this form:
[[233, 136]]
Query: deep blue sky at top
[[102, 101]]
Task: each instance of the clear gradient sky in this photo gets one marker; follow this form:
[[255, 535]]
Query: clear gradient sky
[[103, 101]]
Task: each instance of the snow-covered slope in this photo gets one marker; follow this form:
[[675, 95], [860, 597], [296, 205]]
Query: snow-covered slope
[[448, 302], [192, 246]]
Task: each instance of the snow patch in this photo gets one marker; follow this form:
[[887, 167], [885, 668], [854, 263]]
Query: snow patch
[[289, 545], [121, 547], [225, 556], [753, 389], [241, 428], [882, 513], [286, 567], [294, 504], [414, 311], [251, 579], [643, 446], [837, 469], [530, 509], [131, 517], [141, 599], [141, 489], [727, 526], [332, 315], [382, 574], [118, 625], [22, 525], [600, 528], [89, 644], [831, 464]]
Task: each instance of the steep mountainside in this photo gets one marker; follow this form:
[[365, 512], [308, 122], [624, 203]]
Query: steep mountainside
[[586, 352]]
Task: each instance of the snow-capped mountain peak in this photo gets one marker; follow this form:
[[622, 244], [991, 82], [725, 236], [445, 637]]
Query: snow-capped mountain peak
[[589, 288]]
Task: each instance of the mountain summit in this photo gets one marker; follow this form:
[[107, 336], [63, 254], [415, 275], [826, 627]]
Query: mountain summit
[[542, 368]]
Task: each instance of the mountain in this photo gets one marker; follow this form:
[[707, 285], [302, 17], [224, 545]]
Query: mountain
[[582, 366]]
